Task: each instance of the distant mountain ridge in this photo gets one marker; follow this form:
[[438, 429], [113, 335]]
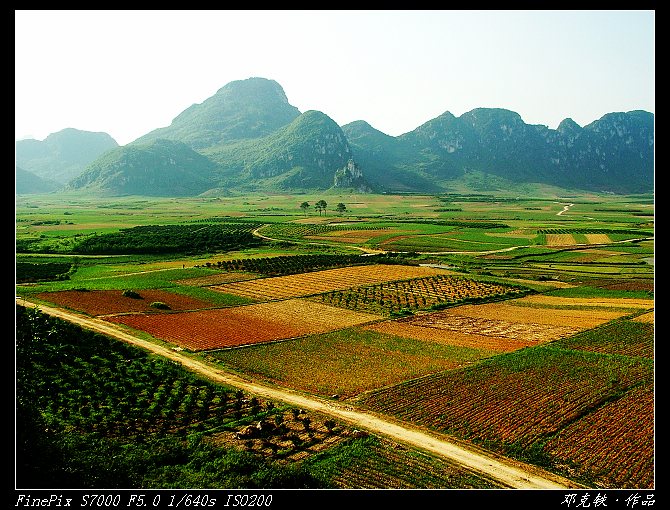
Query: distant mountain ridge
[[27, 182], [247, 137], [614, 153], [63, 155]]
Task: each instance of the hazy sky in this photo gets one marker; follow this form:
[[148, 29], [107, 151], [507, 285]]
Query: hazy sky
[[129, 72]]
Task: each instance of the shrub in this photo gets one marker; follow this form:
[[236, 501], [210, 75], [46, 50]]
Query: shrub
[[160, 305], [131, 294]]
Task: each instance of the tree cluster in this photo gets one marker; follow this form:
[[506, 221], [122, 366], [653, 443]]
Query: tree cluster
[[322, 206]]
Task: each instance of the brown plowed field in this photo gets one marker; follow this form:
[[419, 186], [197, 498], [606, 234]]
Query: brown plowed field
[[244, 325], [101, 302]]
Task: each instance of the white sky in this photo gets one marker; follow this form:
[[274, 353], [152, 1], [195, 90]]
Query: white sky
[[129, 72]]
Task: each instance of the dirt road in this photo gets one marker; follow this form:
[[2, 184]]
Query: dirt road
[[512, 474]]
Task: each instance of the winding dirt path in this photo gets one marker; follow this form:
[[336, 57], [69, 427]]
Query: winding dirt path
[[566, 208], [511, 473]]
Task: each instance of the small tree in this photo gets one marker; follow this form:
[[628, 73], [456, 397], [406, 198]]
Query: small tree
[[321, 206], [304, 206], [341, 208]]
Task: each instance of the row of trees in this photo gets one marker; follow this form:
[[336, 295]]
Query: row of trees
[[322, 205]]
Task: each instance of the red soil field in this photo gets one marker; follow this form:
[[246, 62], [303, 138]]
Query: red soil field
[[102, 302], [244, 325]]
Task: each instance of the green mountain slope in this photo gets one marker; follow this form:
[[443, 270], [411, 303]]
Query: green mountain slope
[[614, 153], [158, 168], [244, 109], [304, 154], [248, 137]]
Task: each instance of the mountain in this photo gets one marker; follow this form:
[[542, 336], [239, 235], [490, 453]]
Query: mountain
[[248, 137], [63, 155], [243, 109], [158, 168], [29, 183], [304, 154], [614, 153]]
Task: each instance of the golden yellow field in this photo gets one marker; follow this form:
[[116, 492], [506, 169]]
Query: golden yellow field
[[598, 238], [507, 311], [647, 317], [448, 336], [282, 287], [308, 315], [510, 325], [560, 240], [600, 302]]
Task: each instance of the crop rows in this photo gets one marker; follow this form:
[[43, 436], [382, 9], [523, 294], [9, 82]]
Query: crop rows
[[291, 264], [515, 401], [394, 467], [281, 287], [622, 337], [646, 317], [111, 388], [629, 448], [560, 240], [415, 294], [530, 333], [517, 311]]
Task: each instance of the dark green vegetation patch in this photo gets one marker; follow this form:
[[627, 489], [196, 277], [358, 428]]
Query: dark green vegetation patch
[[28, 272], [171, 239]]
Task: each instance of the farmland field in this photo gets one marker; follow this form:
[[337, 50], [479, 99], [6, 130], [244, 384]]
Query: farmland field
[[519, 402], [347, 362], [99, 302], [418, 293], [489, 319], [305, 284], [230, 327]]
